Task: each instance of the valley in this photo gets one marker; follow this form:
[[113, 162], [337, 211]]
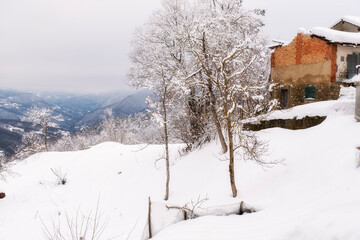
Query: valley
[[77, 111]]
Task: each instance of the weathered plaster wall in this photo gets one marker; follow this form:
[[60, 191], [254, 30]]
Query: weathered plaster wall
[[317, 54], [302, 73], [343, 51]]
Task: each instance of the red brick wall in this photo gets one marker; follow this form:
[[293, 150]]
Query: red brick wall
[[305, 50], [284, 56], [305, 61], [333, 62]]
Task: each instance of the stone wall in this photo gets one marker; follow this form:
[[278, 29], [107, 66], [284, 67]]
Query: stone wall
[[293, 124], [325, 91]]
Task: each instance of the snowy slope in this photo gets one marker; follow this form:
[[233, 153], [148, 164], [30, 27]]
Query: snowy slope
[[33, 194], [315, 194]]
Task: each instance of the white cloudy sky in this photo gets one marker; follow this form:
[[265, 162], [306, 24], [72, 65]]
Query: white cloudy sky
[[83, 45]]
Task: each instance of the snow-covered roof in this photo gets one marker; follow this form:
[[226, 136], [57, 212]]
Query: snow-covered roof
[[336, 36], [350, 19], [277, 43]]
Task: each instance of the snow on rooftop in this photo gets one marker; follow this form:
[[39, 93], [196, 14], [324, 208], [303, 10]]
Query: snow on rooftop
[[336, 36], [277, 43], [302, 30]]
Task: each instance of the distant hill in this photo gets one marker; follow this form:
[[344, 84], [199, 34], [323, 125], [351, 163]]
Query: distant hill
[[76, 105], [77, 110], [134, 103], [15, 104]]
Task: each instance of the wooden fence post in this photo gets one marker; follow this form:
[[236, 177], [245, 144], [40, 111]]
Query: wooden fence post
[[241, 210], [149, 218]]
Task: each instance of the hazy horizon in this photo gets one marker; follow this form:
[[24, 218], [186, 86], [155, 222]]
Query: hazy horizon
[[69, 92], [82, 46]]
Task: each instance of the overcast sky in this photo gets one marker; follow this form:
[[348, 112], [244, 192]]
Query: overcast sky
[[83, 45]]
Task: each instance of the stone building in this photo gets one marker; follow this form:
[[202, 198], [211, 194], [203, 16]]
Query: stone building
[[315, 63]]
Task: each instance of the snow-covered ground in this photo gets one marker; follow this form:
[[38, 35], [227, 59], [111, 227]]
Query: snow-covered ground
[[314, 194]]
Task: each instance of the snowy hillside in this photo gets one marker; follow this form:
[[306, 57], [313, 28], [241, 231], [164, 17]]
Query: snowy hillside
[[314, 194]]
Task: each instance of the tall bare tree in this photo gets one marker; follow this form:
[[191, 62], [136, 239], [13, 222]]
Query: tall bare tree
[[156, 57], [214, 45], [229, 48]]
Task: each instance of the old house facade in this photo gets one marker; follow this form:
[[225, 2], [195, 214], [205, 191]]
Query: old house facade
[[314, 64]]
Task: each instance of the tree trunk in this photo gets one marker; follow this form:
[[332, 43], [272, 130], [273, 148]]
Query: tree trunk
[[229, 127], [216, 119], [45, 133], [194, 115], [166, 151], [231, 157], [213, 102]]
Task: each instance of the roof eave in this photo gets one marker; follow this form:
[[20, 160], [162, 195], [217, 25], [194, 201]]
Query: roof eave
[[342, 20], [336, 43], [274, 47]]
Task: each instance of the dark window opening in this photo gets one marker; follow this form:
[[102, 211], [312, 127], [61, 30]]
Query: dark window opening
[[310, 92], [284, 98], [342, 58]]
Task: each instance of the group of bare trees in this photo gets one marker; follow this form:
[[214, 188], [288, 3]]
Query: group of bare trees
[[135, 129], [207, 62], [3, 167], [37, 140]]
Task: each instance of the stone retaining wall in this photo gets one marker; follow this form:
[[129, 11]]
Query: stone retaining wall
[[292, 124]]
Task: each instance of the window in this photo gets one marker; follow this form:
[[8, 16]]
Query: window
[[342, 58], [353, 60], [284, 98], [310, 92]]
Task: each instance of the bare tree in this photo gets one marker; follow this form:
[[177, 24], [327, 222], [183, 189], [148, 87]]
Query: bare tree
[[3, 166], [231, 52], [216, 46], [189, 209], [60, 176], [156, 57], [111, 127], [79, 227], [45, 117]]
